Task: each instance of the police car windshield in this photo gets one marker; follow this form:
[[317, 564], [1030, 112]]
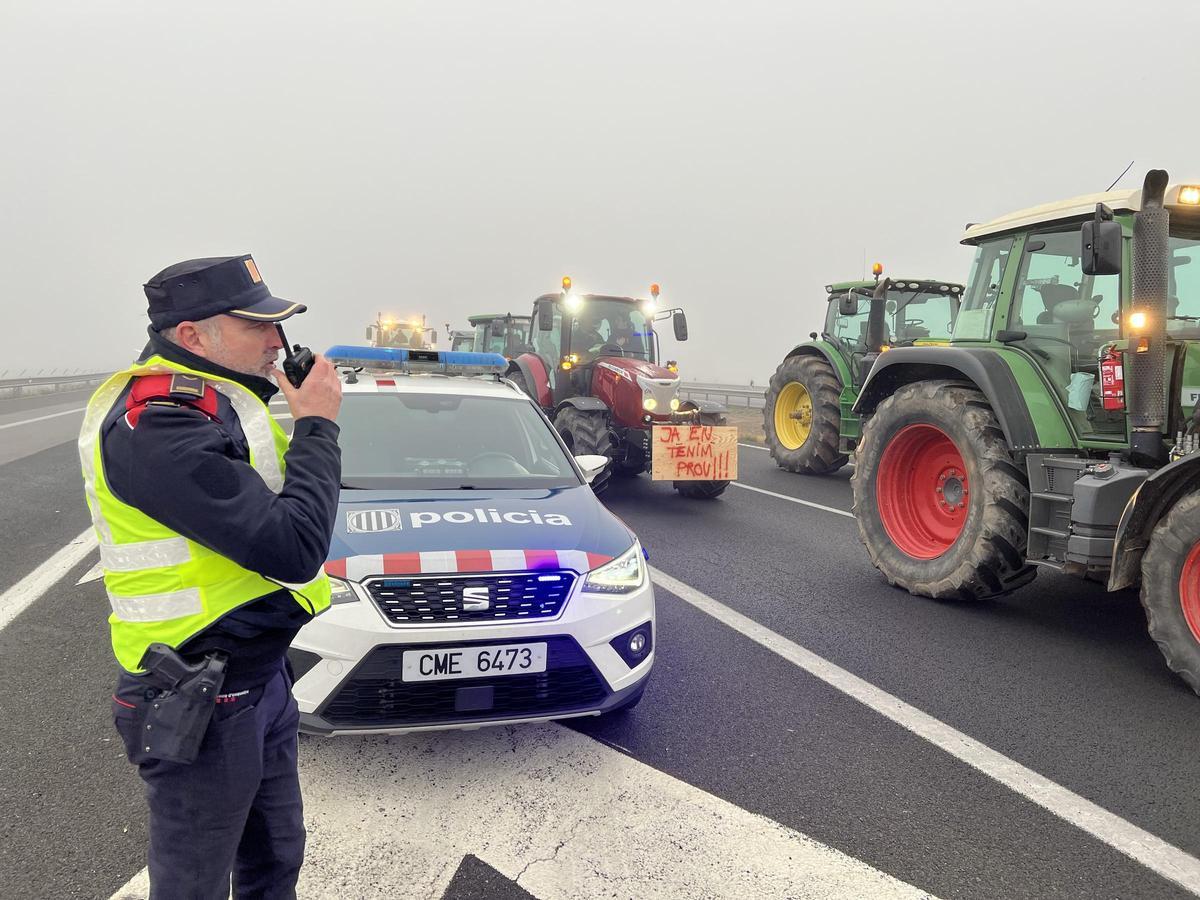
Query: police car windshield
[[437, 441]]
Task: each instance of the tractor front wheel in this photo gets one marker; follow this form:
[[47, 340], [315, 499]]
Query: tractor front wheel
[[941, 506], [704, 490], [586, 433], [802, 417], [1171, 588]]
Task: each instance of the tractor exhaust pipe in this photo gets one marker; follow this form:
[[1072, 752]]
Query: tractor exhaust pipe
[[875, 316], [1151, 261]]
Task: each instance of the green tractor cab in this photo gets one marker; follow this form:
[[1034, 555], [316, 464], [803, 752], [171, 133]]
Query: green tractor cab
[[808, 416], [1059, 428], [501, 333]]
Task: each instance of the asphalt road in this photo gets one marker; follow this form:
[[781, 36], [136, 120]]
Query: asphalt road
[[1059, 677]]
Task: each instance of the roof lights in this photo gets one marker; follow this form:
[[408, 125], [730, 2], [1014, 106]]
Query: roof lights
[[397, 359]]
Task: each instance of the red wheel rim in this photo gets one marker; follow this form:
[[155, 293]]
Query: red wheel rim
[[923, 492], [1189, 591]]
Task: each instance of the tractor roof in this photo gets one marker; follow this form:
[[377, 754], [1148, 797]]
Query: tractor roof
[[490, 317], [558, 297], [1079, 207], [934, 284]]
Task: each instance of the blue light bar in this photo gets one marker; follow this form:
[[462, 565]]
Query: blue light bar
[[399, 359]]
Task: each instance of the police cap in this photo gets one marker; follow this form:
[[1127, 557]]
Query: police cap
[[199, 288]]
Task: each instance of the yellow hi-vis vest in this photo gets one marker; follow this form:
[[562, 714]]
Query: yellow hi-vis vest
[[164, 588]]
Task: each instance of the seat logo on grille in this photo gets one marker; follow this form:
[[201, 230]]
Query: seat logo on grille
[[368, 520], [476, 599]]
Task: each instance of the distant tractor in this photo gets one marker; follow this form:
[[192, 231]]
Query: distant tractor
[[412, 334], [1059, 428], [593, 368], [501, 333], [460, 340], [808, 416]]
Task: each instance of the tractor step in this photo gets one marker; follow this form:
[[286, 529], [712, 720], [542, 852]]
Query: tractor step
[[1051, 495]]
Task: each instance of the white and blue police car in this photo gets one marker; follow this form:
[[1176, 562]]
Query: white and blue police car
[[476, 578]]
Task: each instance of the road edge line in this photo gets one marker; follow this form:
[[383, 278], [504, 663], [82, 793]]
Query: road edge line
[[1141, 846], [65, 412]]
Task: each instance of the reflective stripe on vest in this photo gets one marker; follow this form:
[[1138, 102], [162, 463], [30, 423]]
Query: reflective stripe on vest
[[161, 586]]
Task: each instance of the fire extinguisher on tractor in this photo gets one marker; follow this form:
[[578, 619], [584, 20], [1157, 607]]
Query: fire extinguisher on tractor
[[1112, 379]]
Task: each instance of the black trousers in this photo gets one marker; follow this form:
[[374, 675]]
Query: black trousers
[[235, 810]]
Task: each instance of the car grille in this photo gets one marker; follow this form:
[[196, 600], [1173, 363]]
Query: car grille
[[489, 598], [375, 695]]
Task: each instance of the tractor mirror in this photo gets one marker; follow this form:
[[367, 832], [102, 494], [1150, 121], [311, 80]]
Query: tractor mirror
[[1101, 240], [545, 315], [370, 332], [679, 321], [848, 304]]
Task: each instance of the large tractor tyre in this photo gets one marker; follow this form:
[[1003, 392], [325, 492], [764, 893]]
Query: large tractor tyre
[[704, 490], [1171, 588], [803, 416], [942, 508], [586, 433]]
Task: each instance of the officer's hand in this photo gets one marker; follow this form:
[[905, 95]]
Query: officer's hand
[[320, 394]]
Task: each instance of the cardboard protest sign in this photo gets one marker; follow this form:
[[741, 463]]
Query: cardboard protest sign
[[694, 453]]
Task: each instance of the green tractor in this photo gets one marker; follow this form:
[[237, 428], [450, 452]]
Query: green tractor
[[808, 417], [1060, 426], [501, 333]]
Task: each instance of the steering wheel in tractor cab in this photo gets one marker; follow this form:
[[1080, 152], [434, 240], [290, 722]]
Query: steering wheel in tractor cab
[[609, 348]]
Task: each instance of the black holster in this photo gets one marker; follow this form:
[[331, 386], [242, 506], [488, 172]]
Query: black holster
[[178, 717]]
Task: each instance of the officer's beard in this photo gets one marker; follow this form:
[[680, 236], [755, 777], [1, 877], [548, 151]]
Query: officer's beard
[[218, 351]]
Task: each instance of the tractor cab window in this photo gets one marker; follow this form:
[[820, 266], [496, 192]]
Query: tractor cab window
[[548, 344], [611, 328], [849, 331], [1067, 318], [917, 314], [974, 322], [1183, 285]]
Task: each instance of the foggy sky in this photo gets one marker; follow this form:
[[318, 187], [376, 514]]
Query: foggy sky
[[453, 158]]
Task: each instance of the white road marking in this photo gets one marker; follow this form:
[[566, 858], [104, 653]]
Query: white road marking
[[561, 814], [747, 487], [65, 412], [1139, 845], [753, 446], [95, 573], [45, 576]]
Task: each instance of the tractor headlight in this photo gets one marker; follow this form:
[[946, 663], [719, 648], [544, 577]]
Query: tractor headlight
[[649, 403], [1137, 320], [341, 591], [623, 575], [674, 404]]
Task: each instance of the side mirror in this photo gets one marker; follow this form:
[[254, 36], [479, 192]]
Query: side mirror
[[370, 332], [545, 315], [679, 321], [848, 304], [592, 465], [1101, 239]]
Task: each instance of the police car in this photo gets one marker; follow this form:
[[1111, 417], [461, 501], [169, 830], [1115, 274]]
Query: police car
[[476, 578]]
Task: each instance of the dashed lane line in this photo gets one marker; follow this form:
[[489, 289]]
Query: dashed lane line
[[1139, 845], [65, 412], [32, 586], [758, 490]]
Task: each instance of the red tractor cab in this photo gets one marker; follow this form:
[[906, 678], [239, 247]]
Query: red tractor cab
[[592, 364]]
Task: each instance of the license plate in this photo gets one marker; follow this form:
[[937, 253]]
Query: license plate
[[443, 663]]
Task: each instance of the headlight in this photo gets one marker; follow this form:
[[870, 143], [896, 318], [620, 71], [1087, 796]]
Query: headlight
[[674, 404], [341, 591], [649, 403], [623, 575]]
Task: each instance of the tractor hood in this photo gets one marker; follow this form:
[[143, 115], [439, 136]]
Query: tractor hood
[[630, 369], [388, 532]]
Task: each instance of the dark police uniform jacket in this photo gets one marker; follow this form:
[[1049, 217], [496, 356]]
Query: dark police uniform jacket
[[184, 462]]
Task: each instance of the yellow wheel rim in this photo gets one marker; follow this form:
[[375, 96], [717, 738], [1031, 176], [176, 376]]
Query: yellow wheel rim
[[793, 415]]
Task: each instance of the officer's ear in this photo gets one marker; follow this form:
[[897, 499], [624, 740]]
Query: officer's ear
[[197, 337]]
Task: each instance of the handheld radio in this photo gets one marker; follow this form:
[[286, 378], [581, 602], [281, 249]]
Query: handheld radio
[[298, 361]]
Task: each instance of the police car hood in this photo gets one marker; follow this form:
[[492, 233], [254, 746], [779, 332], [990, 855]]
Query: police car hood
[[392, 531]]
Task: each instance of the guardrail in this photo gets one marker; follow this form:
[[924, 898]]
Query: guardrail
[[49, 384], [749, 397]]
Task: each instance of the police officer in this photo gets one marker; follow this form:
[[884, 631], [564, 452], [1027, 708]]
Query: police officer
[[213, 556]]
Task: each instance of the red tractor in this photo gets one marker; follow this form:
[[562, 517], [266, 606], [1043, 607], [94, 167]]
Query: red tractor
[[591, 362]]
